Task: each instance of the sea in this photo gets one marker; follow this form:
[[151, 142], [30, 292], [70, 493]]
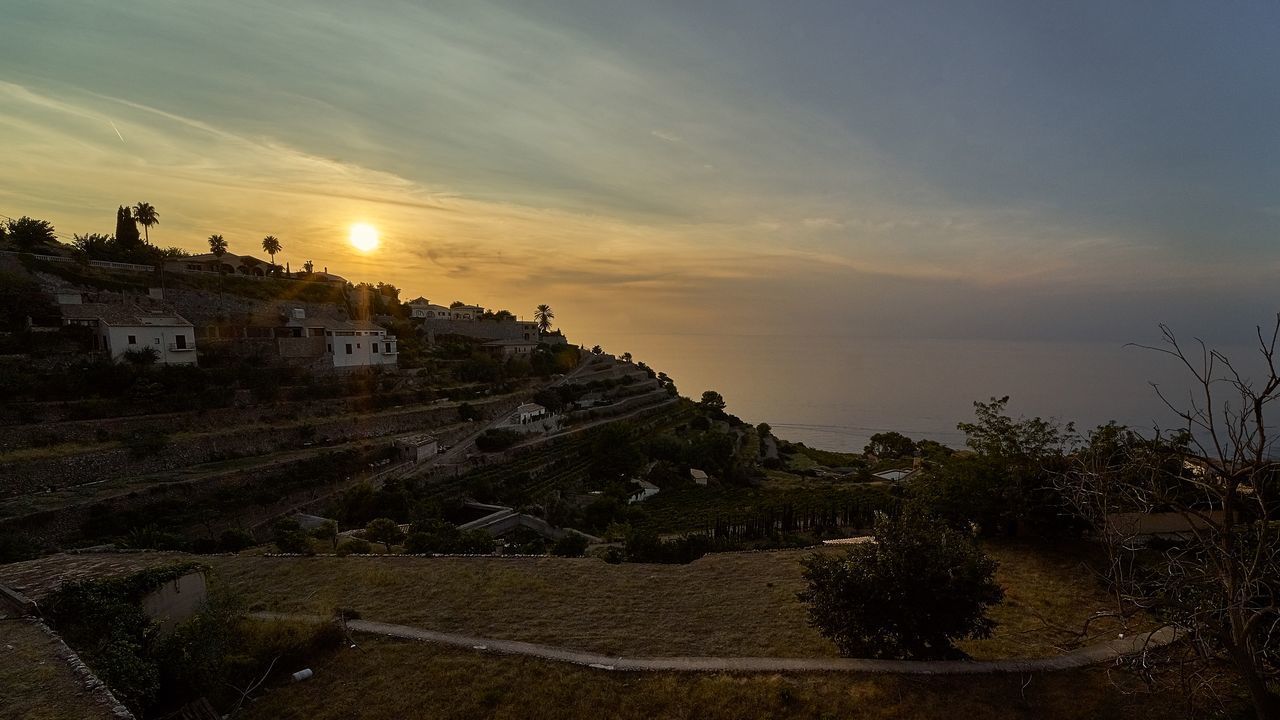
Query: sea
[[835, 392]]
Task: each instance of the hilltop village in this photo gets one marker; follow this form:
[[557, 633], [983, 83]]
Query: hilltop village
[[234, 488]]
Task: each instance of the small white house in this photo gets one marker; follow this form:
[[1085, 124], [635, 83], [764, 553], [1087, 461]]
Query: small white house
[[646, 491], [418, 448], [359, 344], [118, 329], [529, 413], [699, 477]]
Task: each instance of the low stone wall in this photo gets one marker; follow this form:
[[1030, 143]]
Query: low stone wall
[[112, 462], [54, 428]]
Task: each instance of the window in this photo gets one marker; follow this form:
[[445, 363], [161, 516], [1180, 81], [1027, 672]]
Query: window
[[348, 348], [180, 342], [330, 346], [357, 346], [375, 347], [133, 339]]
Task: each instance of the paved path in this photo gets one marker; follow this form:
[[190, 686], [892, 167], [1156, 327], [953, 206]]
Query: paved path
[[1082, 657]]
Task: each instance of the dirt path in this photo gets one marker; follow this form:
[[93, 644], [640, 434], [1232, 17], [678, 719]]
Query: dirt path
[[1091, 655]]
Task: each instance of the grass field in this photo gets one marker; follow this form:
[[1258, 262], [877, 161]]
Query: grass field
[[729, 604], [36, 684], [385, 679]]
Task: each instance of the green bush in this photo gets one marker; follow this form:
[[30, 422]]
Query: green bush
[[235, 540], [354, 546], [496, 439], [288, 536], [571, 545], [383, 530], [909, 595]]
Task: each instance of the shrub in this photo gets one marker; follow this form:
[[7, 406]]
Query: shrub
[[645, 547], [571, 545], [420, 543], [141, 356], [909, 595], [326, 531], [496, 439], [235, 540], [476, 542], [383, 530], [353, 546], [289, 537]]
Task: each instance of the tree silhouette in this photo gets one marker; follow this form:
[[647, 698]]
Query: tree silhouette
[[308, 267], [271, 245], [26, 232], [127, 229], [144, 213], [544, 315], [217, 246]]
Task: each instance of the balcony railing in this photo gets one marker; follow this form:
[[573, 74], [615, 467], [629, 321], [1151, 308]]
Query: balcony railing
[[173, 347]]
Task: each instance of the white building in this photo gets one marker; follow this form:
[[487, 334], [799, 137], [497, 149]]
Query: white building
[[421, 307], [511, 348], [529, 413], [699, 476], [117, 329], [466, 312], [646, 491], [418, 448], [359, 343]]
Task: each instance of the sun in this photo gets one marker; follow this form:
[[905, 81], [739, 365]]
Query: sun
[[364, 237]]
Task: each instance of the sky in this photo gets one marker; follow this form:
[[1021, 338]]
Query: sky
[[1002, 170]]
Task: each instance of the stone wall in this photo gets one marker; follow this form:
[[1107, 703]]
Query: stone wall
[[15, 436], [114, 461]]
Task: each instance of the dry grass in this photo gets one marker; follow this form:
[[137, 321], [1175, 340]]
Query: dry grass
[[724, 605], [391, 679], [1049, 594], [36, 684], [731, 604]]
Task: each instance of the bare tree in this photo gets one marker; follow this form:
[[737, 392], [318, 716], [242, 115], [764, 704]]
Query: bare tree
[[1215, 576]]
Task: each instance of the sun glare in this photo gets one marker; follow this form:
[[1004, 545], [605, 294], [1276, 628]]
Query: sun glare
[[364, 237]]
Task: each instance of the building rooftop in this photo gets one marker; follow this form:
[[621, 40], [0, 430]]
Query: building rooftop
[[123, 315]]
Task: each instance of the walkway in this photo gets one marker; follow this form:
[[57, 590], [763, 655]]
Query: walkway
[[1082, 657]]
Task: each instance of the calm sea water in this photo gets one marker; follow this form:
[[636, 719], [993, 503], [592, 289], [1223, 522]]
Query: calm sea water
[[833, 392]]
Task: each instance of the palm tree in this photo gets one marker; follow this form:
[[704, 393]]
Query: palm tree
[[144, 213], [271, 245], [543, 315], [217, 246]]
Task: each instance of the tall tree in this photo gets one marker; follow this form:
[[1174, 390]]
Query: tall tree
[[271, 245], [217, 246], [127, 235], [543, 316], [27, 233], [144, 213], [1219, 580], [308, 267]]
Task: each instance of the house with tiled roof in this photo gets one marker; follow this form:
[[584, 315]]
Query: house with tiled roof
[[119, 328]]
